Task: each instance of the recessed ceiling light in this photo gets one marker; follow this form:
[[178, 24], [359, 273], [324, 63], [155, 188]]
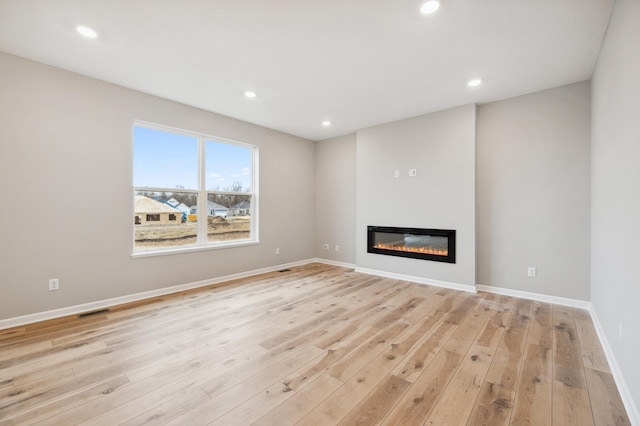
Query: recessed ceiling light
[[326, 123], [475, 82], [430, 7], [250, 94], [86, 31]]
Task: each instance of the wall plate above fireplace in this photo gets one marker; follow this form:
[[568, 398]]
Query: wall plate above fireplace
[[418, 243]]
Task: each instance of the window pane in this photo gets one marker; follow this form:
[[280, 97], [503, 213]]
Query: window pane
[[228, 217], [164, 160], [228, 167], [165, 219]]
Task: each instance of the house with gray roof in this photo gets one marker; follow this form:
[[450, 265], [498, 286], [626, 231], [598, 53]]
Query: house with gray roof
[[213, 209], [243, 208]]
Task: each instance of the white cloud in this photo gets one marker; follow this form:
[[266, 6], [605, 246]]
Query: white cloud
[[244, 172]]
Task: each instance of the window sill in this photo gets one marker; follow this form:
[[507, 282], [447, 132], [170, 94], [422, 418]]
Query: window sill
[[183, 250]]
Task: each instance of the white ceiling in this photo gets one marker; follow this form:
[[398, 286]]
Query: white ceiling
[[357, 63]]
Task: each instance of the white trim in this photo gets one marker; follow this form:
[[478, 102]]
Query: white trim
[[623, 389], [190, 133], [203, 198], [102, 304], [556, 300], [419, 280], [191, 249], [334, 263], [255, 199]]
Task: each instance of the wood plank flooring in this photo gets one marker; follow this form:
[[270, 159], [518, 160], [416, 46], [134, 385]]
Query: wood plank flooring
[[313, 345]]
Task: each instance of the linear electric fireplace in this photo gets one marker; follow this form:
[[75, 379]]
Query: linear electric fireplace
[[418, 243]]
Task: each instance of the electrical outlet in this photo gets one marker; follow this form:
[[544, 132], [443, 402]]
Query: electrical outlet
[[337, 247], [277, 251], [54, 284], [396, 173], [326, 246], [413, 172], [531, 271], [620, 332]]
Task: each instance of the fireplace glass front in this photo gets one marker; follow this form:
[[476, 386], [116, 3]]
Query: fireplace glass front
[[418, 243]]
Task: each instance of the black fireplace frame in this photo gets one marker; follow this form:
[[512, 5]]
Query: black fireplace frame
[[449, 233]]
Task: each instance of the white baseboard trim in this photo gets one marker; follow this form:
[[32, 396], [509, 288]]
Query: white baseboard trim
[[419, 280], [334, 263], [625, 393], [103, 304], [556, 300]]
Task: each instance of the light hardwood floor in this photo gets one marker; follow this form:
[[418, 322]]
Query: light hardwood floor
[[314, 345]]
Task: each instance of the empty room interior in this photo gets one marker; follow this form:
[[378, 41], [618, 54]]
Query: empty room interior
[[261, 212]]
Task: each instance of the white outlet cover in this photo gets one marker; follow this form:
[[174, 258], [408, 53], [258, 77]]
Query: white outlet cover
[[620, 331], [54, 284]]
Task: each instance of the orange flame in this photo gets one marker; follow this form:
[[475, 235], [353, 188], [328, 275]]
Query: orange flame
[[402, 247]]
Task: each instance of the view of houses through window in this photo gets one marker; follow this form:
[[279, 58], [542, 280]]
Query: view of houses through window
[[180, 178]]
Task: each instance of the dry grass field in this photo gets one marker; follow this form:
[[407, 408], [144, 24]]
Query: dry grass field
[[182, 234]]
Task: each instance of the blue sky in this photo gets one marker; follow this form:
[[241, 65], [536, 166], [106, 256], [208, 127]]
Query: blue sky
[[170, 160]]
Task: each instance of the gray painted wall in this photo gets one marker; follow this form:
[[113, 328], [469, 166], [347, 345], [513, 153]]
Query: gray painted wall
[[336, 198], [533, 192], [615, 184], [441, 146], [66, 169]]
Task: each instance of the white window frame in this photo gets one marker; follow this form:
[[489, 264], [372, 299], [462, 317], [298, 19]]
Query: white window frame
[[202, 241]]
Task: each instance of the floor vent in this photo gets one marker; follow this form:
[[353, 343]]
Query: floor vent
[[88, 314]]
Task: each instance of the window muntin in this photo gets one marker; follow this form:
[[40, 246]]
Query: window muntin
[[180, 176]]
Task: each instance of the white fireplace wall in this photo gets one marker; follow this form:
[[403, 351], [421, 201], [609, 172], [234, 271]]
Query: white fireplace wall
[[441, 148]]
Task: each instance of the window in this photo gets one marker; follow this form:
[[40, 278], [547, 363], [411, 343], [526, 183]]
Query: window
[[193, 190], [153, 218]]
